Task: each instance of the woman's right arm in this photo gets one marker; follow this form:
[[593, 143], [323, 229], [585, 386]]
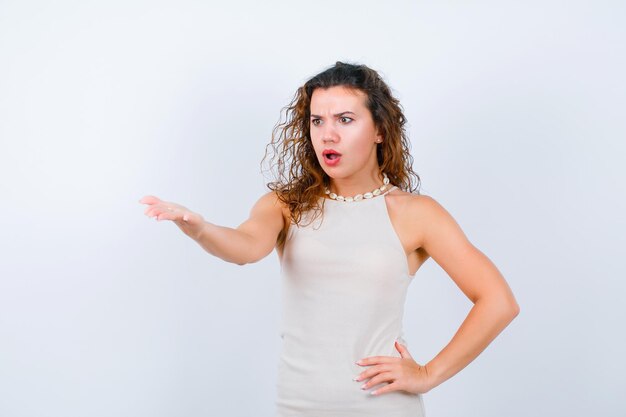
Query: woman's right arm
[[250, 242]]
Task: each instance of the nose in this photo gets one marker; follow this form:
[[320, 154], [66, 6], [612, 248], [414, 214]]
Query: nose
[[329, 134]]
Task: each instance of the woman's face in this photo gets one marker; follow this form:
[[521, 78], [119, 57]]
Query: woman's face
[[341, 121]]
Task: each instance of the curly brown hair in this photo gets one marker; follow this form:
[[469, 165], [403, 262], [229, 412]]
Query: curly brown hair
[[300, 177]]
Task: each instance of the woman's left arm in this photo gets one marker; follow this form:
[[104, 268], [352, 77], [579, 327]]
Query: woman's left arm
[[477, 277]]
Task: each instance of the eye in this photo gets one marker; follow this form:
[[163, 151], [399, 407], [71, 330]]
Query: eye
[[313, 121], [344, 117]]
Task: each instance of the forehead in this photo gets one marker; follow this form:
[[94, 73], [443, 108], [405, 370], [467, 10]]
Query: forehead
[[337, 98]]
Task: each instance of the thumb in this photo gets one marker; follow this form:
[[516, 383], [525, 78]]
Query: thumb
[[403, 350]]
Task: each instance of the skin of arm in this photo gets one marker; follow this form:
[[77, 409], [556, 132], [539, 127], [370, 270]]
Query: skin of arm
[[477, 277], [249, 242], [252, 240]]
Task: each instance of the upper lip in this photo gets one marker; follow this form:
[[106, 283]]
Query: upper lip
[[327, 151]]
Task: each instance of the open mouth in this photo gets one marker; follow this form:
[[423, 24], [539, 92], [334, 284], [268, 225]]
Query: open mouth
[[331, 154], [331, 158]]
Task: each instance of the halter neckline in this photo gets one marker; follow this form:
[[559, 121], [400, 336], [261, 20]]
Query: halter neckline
[[393, 187]]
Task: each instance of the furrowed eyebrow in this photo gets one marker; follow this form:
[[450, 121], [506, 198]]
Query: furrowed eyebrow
[[336, 115]]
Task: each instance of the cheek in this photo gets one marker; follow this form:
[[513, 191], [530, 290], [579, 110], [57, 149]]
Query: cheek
[[361, 147], [363, 153], [317, 146], [315, 140]]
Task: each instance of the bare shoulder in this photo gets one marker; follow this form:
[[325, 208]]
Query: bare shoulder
[[404, 197], [270, 201], [266, 216], [413, 205], [417, 213], [439, 232]]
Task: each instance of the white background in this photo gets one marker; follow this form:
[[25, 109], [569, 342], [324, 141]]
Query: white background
[[516, 116]]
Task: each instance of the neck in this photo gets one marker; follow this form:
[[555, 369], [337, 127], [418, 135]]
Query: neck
[[352, 186]]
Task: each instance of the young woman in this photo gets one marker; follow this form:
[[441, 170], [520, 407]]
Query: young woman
[[351, 232]]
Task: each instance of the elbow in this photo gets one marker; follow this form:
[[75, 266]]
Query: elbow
[[515, 309], [505, 307], [248, 261], [255, 256], [246, 257], [239, 260], [510, 310]]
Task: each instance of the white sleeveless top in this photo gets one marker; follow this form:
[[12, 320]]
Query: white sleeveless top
[[344, 283]]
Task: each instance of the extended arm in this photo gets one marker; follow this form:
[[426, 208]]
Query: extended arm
[[249, 242]]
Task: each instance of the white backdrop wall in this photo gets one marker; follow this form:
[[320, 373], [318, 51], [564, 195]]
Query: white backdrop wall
[[516, 116]]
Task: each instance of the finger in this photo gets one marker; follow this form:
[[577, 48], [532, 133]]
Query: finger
[[174, 214], [152, 211], [155, 206], [371, 372], [378, 379], [157, 209], [160, 209], [404, 352], [373, 360], [387, 388], [149, 199], [165, 216]]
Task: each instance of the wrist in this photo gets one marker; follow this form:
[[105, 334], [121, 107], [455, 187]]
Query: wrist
[[198, 231], [433, 375]]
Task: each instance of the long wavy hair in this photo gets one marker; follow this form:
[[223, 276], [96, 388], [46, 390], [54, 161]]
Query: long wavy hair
[[300, 179]]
